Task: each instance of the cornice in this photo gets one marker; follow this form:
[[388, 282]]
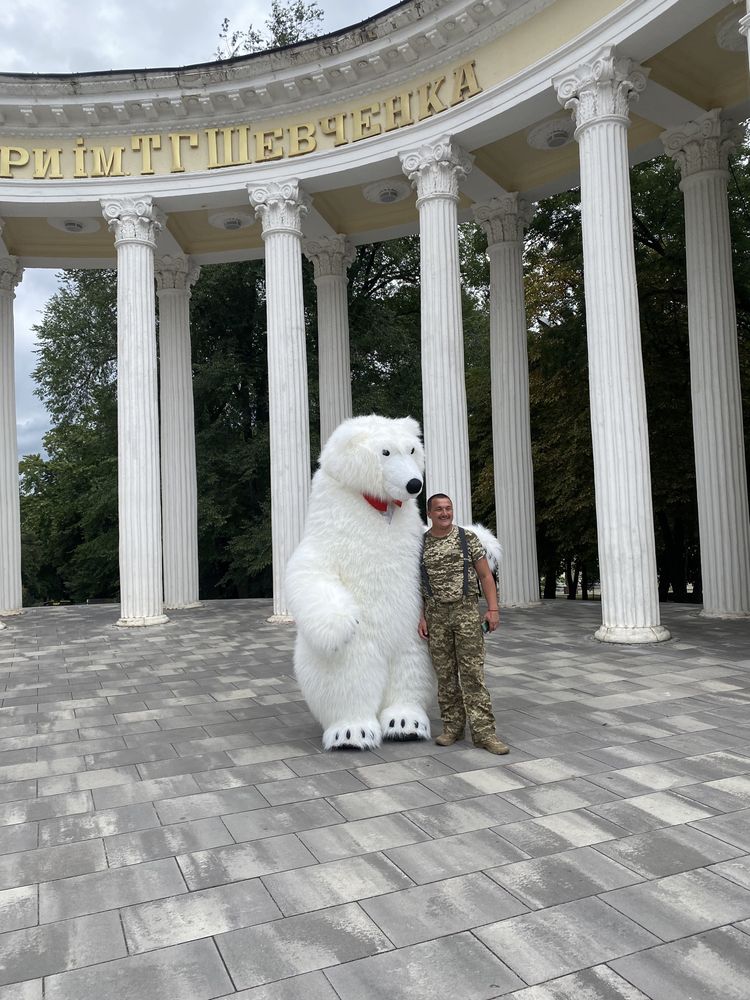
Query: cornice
[[395, 47], [530, 83]]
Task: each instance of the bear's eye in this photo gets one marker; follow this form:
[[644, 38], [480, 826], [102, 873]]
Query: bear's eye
[[412, 451], [385, 451]]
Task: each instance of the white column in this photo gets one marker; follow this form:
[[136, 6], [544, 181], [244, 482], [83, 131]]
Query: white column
[[175, 276], [435, 170], [599, 93], [331, 256], [744, 22], [504, 220], [701, 148], [280, 207], [141, 593], [10, 515]]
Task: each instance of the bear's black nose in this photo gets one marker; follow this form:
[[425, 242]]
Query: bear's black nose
[[414, 486]]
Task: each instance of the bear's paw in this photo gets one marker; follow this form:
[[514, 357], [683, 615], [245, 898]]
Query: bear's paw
[[404, 722], [330, 633], [364, 734]]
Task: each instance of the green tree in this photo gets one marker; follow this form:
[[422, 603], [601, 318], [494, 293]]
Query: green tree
[[286, 24], [69, 499]]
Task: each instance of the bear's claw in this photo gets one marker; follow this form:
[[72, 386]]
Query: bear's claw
[[362, 735], [405, 723]]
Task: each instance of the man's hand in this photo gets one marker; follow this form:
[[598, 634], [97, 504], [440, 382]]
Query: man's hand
[[493, 619], [422, 628]]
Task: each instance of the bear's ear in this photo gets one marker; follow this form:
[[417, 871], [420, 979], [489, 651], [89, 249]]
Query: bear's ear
[[341, 439], [409, 425], [346, 458]]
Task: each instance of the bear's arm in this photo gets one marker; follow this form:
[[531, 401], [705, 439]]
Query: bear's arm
[[325, 611]]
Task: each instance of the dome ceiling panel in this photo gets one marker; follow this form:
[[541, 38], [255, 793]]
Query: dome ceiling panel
[[697, 68]]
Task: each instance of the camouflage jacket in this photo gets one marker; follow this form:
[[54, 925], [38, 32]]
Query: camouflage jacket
[[444, 562]]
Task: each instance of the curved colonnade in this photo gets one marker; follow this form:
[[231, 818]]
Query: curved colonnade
[[430, 114]]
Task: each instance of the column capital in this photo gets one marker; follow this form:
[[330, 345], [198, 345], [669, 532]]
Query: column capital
[[330, 255], [436, 169], [703, 144], [132, 220], [279, 205], [601, 88], [175, 273], [504, 219], [11, 273]]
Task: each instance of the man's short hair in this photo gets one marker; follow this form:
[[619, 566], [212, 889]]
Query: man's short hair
[[437, 496]]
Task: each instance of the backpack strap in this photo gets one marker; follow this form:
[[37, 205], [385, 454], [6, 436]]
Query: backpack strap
[[423, 570], [465, 553]]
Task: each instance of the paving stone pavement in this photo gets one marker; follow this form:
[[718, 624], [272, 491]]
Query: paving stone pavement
[[170, 828]]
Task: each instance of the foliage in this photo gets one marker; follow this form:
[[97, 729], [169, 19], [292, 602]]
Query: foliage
[[69, 498], [287, 23], [384, 329]]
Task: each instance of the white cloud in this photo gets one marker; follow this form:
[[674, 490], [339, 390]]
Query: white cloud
[[84, 35]]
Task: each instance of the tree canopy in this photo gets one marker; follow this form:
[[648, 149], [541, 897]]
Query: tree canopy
[[287, 23], [69, 496]]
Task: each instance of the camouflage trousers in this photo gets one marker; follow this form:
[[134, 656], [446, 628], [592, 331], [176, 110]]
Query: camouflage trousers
[[457, 650]]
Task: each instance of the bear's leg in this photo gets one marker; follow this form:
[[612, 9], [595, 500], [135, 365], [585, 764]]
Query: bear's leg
[[343, 692], [410, 689]]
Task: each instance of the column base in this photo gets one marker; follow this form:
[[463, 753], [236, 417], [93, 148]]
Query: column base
[[12, 613], [724, 614], [182, 607], [141, 622], [520, 605], [632, 635], [280, 620]]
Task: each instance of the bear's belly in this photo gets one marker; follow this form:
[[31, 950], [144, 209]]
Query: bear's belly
[[383, 576]]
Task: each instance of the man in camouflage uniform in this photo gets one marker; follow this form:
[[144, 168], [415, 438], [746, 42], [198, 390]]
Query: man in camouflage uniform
[[453, 628]]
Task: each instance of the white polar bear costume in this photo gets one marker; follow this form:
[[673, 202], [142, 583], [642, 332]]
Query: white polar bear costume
[[353, 587]]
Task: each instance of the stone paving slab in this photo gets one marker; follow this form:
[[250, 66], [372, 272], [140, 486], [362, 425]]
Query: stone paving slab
[[170, 827], [551, 942], [455, 966]]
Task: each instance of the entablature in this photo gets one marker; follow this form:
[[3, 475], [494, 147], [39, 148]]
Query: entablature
[[401, 44]]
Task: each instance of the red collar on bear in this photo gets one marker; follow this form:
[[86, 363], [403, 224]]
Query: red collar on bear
[[381, 505]]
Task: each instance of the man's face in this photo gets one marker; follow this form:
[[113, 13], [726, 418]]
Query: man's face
[[441, 512]]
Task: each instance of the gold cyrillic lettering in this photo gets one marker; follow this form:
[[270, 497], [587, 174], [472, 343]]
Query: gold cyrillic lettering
[[464, 83], [268, 144], [79, 154], [362, 123], [398, 111], [335, 125], [106, 166], [243, 144], [175, 139], [302, 139], [12, 157], [227, 158], [429, 102], [145, 144], [47, 162]]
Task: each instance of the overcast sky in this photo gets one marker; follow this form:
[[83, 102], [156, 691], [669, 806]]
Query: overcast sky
[[39, 36]]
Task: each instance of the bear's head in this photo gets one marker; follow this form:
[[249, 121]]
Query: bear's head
[[378, 456]]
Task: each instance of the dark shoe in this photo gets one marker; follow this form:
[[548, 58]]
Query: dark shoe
[[447, 739], [493, 745]]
